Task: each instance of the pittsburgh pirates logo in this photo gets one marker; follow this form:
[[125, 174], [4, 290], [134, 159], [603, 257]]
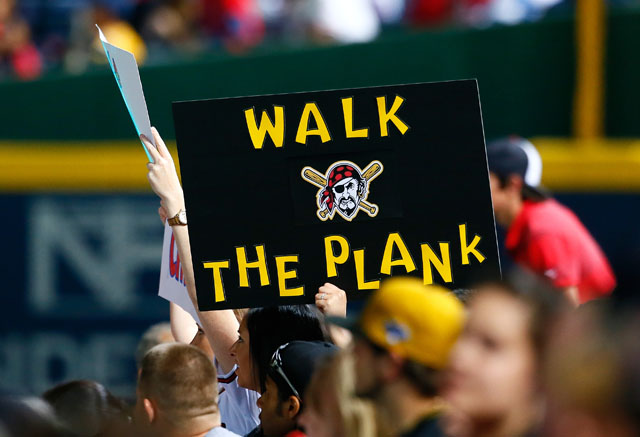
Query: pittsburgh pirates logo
[[343, 189]]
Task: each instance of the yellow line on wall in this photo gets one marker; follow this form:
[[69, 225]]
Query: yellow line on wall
[[588, 119], [590, 165], [120, 166]]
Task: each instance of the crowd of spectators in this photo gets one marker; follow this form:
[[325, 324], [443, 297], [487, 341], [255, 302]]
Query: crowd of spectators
[[534, 355], [512, 359], [41, 35]]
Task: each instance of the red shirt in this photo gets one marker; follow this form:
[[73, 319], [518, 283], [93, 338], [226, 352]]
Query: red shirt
[[550, 240]]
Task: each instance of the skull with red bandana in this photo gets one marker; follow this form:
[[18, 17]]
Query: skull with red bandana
[[344, 190]]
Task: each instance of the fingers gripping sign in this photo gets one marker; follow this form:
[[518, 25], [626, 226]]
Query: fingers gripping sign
[[331, 300]]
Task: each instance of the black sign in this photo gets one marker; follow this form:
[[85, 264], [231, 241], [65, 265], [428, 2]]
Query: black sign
[[287, 192]]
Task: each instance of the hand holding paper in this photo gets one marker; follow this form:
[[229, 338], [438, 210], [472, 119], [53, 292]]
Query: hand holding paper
[[164, 182], [163, 176], [125, 70]]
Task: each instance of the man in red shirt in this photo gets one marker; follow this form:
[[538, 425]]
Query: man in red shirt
[[542, 235]]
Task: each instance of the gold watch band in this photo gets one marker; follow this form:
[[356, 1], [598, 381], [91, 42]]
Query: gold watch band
[[175, 220]]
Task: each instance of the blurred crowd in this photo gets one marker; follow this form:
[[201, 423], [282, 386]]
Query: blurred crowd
[[512, 359], [41, 35], [543, 352]]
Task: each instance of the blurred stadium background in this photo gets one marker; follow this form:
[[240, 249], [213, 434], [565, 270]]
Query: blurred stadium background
[[82, 238]]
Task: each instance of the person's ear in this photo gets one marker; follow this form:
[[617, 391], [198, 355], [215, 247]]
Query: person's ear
[[291, 407], [393, 364], [149, 409], [515, 182]]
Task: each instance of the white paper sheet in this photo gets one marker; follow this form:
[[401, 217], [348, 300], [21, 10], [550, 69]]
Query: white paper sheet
[[172, 286], [125, 70]]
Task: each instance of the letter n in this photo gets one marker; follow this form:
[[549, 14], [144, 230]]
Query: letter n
[[442, 264]]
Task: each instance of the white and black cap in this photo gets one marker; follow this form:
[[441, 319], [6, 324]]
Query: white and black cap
[[516, 155]]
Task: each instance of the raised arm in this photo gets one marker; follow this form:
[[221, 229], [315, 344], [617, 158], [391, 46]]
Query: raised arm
[[220, 326], [183, 327]]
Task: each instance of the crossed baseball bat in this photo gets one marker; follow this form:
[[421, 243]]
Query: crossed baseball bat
[[369, 173]]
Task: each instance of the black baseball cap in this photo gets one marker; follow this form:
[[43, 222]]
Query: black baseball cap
[[516, 155], [293, 363]]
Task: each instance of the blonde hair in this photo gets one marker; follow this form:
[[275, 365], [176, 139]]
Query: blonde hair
[[336, 379], [240, 313]]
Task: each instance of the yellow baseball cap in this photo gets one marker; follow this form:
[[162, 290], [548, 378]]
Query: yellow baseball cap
[[418, 322]]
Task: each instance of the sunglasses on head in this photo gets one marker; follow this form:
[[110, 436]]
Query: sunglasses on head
[[276, 366]]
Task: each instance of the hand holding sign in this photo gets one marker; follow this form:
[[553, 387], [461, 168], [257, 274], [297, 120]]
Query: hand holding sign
[[332, 300]]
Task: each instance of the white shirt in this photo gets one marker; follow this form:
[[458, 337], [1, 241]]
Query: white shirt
[[238, 409], [219, 431], [349, 21]]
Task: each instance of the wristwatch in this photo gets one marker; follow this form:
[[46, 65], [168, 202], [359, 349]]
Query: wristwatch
[[179, 219]]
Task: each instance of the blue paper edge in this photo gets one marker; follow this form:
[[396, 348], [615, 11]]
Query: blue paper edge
[[106, 51]]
